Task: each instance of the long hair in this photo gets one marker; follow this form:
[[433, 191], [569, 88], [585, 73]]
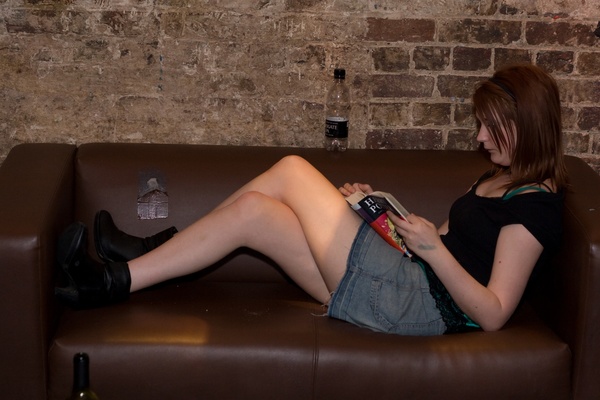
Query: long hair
[[524, 101]]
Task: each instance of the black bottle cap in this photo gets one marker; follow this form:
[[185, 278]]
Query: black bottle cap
[[339, 73], [81, 371]]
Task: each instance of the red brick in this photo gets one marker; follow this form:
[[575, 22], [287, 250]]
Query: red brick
[[130, 23], [457, 87], [503, 57], [471, 58], [172, 24], [480, 31], [462, 139], [589, 63], [463, 115], [297, 5], [555, 61], [403, 30], [402, 86], [391, 59], [34, 21], [596, 147], [508, 10], [576, 142], [432, 58], [589, 119], [389, 114], [93, 49], [431, 114], [579, 90], [562, 33], [569, 118]]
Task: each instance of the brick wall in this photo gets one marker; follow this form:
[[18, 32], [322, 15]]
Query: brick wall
[[256, 71]]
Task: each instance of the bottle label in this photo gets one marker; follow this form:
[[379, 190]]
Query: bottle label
[[336, 127]]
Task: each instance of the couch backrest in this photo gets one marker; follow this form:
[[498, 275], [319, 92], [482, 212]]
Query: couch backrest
[[571, 292], [198, 178]]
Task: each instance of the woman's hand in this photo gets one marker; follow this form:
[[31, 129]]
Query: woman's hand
[[348, 189], [420, 235]]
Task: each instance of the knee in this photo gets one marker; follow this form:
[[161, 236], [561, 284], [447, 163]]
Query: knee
[[293, 160], [251, 204], [292, 164]]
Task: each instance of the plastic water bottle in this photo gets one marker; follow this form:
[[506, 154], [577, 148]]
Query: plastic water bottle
[[337, 109]]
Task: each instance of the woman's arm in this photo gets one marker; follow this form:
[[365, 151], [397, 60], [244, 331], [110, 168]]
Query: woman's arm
[[517, 252]]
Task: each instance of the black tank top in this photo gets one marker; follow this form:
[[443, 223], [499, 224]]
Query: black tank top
[[474, 227], [475, 223]]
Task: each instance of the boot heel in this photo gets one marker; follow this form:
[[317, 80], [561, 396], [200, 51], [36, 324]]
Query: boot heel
[[90, 284]]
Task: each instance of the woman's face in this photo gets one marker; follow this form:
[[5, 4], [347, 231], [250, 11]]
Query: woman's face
[[498, 154]]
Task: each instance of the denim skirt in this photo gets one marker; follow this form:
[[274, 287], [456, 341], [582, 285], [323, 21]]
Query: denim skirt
[[385, 291]]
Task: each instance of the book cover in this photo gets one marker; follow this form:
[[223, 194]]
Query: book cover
[[372, 208]]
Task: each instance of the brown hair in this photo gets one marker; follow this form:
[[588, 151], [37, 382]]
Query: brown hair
[[524, 101]]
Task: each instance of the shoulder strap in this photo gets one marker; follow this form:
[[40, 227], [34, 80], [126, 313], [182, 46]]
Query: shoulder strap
[[508, 195]]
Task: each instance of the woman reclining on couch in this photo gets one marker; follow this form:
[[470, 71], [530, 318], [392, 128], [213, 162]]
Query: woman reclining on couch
[[469, 272]]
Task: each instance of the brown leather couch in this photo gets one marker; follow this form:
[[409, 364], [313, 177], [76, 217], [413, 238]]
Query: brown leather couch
[[241, 330]]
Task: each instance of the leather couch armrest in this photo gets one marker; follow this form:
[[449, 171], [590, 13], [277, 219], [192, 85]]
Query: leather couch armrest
[[35, 205], [574, 299]]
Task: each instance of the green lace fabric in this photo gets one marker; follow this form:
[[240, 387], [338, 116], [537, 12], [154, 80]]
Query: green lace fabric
[[456, 321]]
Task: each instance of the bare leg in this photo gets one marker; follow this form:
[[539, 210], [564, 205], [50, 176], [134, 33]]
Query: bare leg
[[291, 213]]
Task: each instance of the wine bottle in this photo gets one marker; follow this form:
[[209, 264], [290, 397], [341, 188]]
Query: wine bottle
[[81, 378]]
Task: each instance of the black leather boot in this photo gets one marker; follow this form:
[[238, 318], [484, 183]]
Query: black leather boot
[[90, 284], [112, 244]]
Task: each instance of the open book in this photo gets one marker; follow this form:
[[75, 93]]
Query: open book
[[372, 208]]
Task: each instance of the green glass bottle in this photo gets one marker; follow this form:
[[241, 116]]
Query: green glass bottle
[[81, 378]]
